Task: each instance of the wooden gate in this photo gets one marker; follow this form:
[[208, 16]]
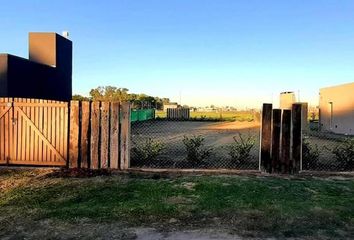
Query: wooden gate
[[33, 132]]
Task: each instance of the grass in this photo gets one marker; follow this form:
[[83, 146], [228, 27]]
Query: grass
[[225, 116], [247, 205]]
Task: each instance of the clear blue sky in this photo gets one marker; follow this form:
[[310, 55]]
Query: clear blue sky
[[223, 52]]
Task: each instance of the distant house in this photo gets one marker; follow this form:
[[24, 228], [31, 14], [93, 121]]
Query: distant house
[[287, 99], [47, 74], [337, 109], [172, 105]]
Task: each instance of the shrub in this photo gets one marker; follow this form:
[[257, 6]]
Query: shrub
[[239, 151], [148, 150], [310, 154], [196, 151], [344, 153]]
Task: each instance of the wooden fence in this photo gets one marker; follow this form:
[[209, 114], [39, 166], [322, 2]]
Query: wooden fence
[[76, 134], [178, 113], [33, 132], [281, 139]]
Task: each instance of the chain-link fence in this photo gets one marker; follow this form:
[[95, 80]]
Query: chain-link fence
[[324, 151], [167, 144]]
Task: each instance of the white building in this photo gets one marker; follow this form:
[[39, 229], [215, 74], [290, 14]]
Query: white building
[[337, 109], [170, 105]]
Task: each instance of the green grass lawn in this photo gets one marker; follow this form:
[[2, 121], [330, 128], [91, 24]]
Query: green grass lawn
[[247, 205], [226, 116]]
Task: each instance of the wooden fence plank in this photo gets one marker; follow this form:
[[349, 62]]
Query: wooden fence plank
[[285, 141], [296, 137], [74, 135], [125, 136], [95, 130], [266, 136], [276, 139], [85, 131], [114, 136], [104, 134]]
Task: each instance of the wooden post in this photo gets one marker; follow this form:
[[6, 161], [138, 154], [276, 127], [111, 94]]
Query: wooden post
[[297, 137], [266, 137], [285, 141], [276, 139], [95, 132], [85, 137], [104, 134], [114, 140], [74, 135], [125, 136]]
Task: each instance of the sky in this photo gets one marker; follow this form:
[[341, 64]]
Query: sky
[[198, 52]]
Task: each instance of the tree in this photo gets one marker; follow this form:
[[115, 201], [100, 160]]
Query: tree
[[115, 94], [78, 97]]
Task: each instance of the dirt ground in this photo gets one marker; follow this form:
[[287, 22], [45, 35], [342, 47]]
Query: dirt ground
[[217, 135]]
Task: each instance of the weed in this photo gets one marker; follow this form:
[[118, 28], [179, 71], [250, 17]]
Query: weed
[[310, 154], [239, 151], [344, 153], [148, 150], [196, 151]]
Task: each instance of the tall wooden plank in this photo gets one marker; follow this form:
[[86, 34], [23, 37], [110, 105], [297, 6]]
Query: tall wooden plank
[[11, 132], [40, 123], [32, 135], [125, 136], [74, 135], [266, 136], [276, 139], [21, 135], [27, 131], [53, 123], [61, 131], [15, 143], [95, 131], [7, 134], [104, 134], [35, 121], [114, 136], [296, 137], [85, 137], [66, 131], [57, 128], [285, 141], [45, 129]]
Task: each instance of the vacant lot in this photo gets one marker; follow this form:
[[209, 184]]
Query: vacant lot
[[217, 135], [45, 205]]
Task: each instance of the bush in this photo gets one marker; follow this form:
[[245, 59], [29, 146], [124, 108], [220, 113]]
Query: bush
[[344, 153], [196, 151], [239, 151], [310, 154], [148, 151]]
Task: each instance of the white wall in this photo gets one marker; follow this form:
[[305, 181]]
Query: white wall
[[340, 101]]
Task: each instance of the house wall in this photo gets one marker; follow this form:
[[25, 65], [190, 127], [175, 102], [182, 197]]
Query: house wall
[[29, 79], [165, 107], [287, 99], [3, 74], [46, 75], [340, 101]]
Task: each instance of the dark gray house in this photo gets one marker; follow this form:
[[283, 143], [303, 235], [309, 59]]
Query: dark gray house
[[47, 74]]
